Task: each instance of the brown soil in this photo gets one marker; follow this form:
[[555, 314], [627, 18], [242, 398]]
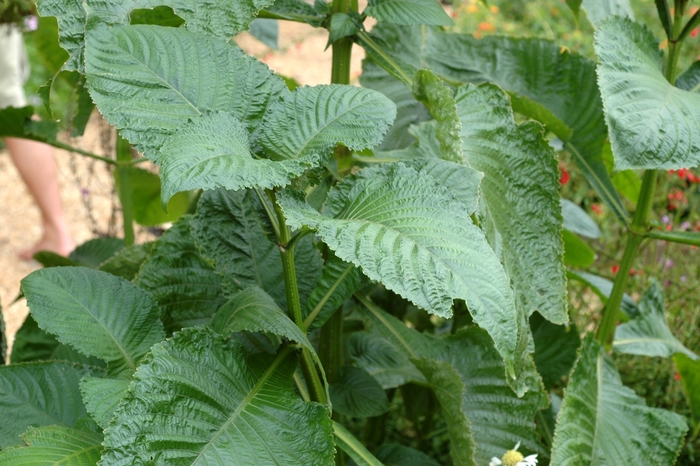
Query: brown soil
[[86, 181]]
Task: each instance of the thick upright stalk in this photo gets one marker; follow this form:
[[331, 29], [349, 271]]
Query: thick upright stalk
[[124, 172]]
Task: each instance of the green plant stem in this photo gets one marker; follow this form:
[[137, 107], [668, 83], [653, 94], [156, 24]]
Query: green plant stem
[[69, 148], [289, 17], [313, 382], [124, 170], [675, 42]]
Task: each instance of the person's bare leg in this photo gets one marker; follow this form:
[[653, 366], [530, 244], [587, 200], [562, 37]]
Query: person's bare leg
[[36, 165]]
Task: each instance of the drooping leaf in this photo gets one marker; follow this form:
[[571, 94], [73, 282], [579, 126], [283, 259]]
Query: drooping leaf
[[649, 334], [315, 119], [266, 31], [431, 254], [689, 371], [577, 253], [148, 207], [239, 409], [97, 313], [440, 100], [602, 287], [520, 187], [689, 80], [212, 151], [55, 446], [598, 10], [408, 12], [382, 360], [94, 252], [576, 220], [652, 123], [228, 229], [339, 280], [555, 348], [134, 60], [51, 259], [39, 394], [408, 110], [393, 454], [127, 262], [602, 421], [557, 88], [34, 344], [101, 397], [355, 393], [181, 280]]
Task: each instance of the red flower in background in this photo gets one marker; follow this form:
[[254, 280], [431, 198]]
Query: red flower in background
[[565, 176], [596, 208], [615, 268]]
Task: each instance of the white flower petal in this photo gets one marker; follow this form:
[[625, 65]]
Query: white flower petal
[[517, 445], [528, 461], [495, 462]]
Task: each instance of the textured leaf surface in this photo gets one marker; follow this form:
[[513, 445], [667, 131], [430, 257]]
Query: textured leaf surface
[[415, 238], [101, 397], [689, 80], [212, 152], [127, 262], [652, 123], [177, 75], [94, 252], [99, 314], [648, 334], [557, 88], [408, 12], [603, 422], [521, 195], [39, 394], [240, 409], [229, 230], [598, 10], [382, 360], [355, 393], [313, 120], [54, 446]]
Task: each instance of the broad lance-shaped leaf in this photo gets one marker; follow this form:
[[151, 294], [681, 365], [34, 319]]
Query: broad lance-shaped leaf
[[558, 89], [199, 399], [652, 123], [181, 280], [414, 237], [99, 314], [521, 204], [648, 334], [483, 415], [201, 17], [315, 119], [212, 152], [355, 393], [603, 422], [229, 230], [102, 396], [408, 12], [39, 394], [55, 445], [149, 81]]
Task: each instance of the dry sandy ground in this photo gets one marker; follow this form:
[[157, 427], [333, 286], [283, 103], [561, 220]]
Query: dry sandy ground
[[301, 58]]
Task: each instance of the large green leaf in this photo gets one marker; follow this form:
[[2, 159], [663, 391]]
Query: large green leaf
[[101, 397], [229, 230], [99, 314], [598, 10], [689, 371], [39, 394], [149, 62], [55, 446], [648, 334], [408, 12], [184, 283], [555, 348], [212, 151], [202, 17], [199, 399], [313, 120], [603, 422], [94, 252], [355, 393], [559, 89], [521, 209], [652, 123], [414, 237], [127, 262]]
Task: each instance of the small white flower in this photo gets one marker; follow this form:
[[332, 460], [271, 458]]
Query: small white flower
[[514, 458]]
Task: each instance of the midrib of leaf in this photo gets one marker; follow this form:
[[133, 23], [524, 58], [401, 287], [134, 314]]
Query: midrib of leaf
[[627, 341], [656, 117], [372, 308], [67, 460], [281, 356], [312, 315], [130, 362]]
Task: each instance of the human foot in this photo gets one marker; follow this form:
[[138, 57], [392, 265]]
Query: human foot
[[61, 244]]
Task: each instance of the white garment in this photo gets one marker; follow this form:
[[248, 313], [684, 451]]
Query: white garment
[[14, 68]]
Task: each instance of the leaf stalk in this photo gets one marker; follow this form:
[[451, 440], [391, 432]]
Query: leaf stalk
[[124, 162]]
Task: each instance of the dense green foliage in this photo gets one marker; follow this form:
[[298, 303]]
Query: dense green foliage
[[372, 274]]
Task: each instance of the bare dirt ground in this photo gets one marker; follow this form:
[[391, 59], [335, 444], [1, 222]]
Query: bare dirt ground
[[87, 185]]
